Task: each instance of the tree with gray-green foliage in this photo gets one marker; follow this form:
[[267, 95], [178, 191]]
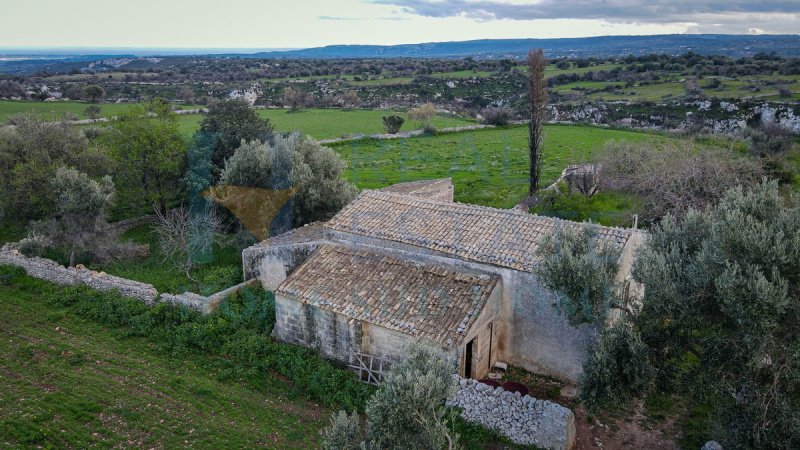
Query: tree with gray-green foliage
[[407, 411], [30, 154], [150, 154], [80, 205], [226, 125], [581, 271], [721, 311], [94, 93], [297, 162]]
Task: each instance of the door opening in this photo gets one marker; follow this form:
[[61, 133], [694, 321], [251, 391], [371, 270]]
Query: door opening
[[491, 339], [468, 360]]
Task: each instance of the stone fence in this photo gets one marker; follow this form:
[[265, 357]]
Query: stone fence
[[54, 272], [523, 419]]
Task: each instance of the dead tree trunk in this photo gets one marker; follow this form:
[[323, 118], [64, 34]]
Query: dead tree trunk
[[537, 104]]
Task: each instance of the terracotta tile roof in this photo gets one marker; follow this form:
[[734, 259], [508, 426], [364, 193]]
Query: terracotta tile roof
[[422, 300], [307, 233], [505, 238], [421, 188]]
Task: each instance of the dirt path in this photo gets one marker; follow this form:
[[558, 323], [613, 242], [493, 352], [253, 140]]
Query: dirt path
[[631, 432]]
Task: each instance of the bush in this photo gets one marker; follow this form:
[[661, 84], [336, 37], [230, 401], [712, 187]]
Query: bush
[[674, 179], [407, 410], [617, 369], [393, 123], [581, 272], [769, 140], [720, 312], [496, 116]]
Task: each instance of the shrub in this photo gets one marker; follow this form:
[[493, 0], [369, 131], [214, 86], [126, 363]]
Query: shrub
[[407, 410], [581, 272], [496, 116], [674, 179], [393, 123], [770, 139], [617, 369], [720, 312], [423, 114]]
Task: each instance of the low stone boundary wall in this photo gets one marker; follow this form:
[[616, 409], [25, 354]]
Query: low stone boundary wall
[[202, 303], [54, 272], [523, 419]]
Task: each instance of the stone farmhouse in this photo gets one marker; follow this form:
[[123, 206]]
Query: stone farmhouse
[[406, 264]]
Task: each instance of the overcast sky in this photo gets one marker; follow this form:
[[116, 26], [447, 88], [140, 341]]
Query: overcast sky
[[311, 23]]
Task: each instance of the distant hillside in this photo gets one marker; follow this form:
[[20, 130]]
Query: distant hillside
[[57, 61], [602, 46]]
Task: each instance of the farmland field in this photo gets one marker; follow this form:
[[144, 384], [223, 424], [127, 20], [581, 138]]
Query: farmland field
[[56, 110], [489, 167], [329, 123], [66, 382]]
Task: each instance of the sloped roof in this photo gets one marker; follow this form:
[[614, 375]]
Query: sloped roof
[[426, 301], [421, 188], [506, 238]]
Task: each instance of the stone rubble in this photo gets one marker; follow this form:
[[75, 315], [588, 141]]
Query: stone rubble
[[523, 419]]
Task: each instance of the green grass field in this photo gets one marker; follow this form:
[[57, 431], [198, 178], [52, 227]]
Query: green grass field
[[328, 123], [489, 167], [69, 383], [56, 110]]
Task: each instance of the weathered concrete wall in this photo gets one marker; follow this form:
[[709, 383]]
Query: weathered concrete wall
[[539, 338], [54, 272], [271, 264], [523, 419]]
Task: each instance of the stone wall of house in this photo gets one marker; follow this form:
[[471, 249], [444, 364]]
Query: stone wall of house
[[271, 264], [333, 335], [523, 419], [54, 272]]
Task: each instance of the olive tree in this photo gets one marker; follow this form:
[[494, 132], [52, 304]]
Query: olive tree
[[581, 270], [30, 154], [721, 310], [226, 125], [407, 410], [300, 164], [80, 205]]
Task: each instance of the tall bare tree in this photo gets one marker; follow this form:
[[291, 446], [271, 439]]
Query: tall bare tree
[[537, 101]]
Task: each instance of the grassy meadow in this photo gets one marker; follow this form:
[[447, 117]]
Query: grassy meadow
[[56, 110], [68, 382], [329, 123], [488, 167]]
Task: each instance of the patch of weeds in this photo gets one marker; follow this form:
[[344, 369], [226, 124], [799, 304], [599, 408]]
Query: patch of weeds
[[659, 406]]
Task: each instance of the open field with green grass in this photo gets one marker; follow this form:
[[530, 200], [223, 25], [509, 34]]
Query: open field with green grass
[[329, 123], [489, 167], [56, 110], [66, 382]]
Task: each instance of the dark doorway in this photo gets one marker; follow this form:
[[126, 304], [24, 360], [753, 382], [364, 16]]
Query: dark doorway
[[491, 341], [468, 360]]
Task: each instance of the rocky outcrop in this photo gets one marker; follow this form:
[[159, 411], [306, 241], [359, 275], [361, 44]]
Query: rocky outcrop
[[523, 419]]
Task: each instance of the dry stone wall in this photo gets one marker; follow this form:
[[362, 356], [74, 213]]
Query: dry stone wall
[[54, 272], [523, 419]]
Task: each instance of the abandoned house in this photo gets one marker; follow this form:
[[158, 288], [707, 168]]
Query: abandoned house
[[407, 264]]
